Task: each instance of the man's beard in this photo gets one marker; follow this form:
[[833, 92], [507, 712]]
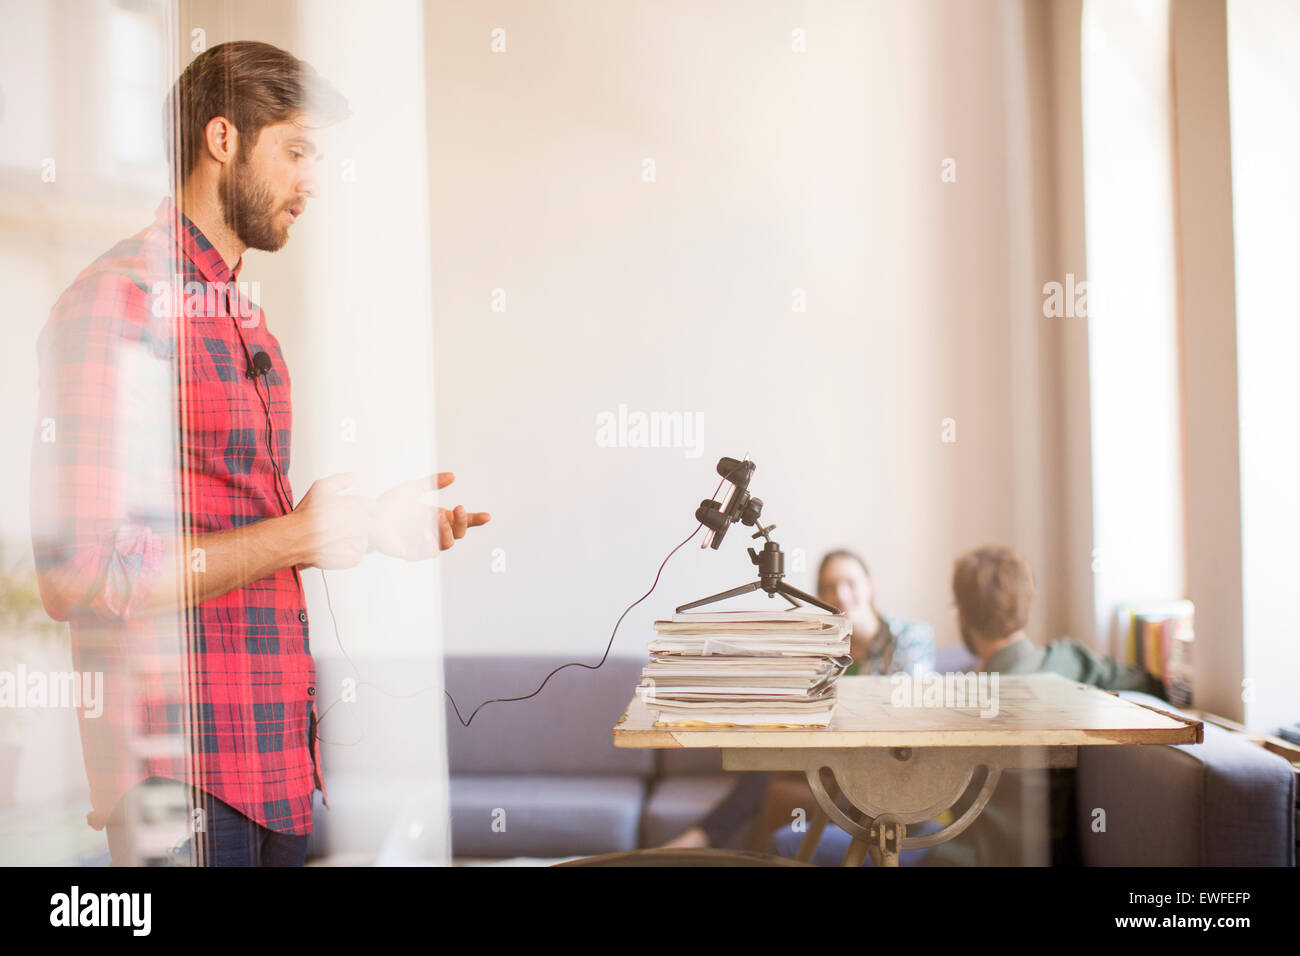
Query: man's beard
[[248, 208]]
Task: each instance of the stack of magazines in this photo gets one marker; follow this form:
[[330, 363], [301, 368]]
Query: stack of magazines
[[746, 668]]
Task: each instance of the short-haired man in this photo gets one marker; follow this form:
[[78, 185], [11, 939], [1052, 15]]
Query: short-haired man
[[993, 589], [164, 527], [1028, 820]]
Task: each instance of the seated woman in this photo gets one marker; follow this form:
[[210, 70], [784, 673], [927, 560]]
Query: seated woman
[[879, 644]]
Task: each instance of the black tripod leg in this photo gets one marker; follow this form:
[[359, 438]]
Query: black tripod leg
[[792, 592], [713, 599]]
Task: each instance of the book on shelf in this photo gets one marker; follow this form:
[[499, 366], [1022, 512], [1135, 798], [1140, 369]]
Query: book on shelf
[[1159, 637]]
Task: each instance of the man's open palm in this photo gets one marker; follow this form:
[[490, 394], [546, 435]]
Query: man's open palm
[[408, 527]]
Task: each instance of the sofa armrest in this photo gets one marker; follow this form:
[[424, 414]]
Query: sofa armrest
[[1222, 802]]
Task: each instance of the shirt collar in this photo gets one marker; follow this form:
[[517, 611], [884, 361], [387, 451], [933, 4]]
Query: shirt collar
[[191, 240], [1018, 657]]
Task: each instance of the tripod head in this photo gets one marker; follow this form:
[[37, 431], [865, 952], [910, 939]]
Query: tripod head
[[738, 506]]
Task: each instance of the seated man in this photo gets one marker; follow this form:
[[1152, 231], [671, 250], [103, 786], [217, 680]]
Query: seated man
[[993, 590], [1029, 819]]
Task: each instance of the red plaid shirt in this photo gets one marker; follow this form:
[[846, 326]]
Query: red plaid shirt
[[148, 429]]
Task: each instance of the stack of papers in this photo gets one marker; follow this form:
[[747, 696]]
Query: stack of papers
[[746, 668]]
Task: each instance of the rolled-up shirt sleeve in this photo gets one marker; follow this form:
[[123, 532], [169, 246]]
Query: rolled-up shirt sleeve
[[103, 502]]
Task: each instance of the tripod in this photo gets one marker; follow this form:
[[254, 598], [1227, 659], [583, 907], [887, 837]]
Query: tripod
[[771, 570]]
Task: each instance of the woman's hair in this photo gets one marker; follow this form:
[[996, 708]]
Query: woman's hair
[[851, 556]]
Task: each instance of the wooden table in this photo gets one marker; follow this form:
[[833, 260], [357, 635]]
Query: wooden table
[[898, 766]]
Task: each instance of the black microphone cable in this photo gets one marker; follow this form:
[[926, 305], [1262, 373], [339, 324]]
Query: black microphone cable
[[591, 667], [503, 700]]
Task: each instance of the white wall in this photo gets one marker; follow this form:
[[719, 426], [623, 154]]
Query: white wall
[[775, 171]]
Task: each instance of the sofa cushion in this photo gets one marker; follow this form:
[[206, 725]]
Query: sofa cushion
[[678, 803], [1223, 802], [567, 729], [954, 658], [551, 815]]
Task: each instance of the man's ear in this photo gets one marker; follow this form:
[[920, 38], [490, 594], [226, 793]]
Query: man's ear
[[221, 139]]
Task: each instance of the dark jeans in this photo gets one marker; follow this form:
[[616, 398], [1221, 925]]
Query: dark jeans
[[835, 843], [743, 802], [736, 809], [222, 836]]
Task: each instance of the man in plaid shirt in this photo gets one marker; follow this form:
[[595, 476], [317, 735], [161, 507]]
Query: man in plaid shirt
[[164, 527]]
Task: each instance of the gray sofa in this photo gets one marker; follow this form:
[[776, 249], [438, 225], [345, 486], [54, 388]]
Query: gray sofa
[[553, 759], [1222, 802], [542, 778], [549, 766]]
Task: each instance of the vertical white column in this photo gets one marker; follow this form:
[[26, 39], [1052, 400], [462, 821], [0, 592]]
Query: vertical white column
[[1209, 336], [362, 355], [1264, 86]]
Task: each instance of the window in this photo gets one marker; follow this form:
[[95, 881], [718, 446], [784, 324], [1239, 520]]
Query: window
[[1132, 307]]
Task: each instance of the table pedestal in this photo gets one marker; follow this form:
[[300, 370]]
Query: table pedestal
[[875, 794]]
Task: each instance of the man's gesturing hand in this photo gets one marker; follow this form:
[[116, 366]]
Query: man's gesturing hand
[[408, 527], [334, 527]]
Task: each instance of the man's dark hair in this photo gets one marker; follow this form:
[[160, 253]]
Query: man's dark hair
[[253, 85], [993, 588]]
